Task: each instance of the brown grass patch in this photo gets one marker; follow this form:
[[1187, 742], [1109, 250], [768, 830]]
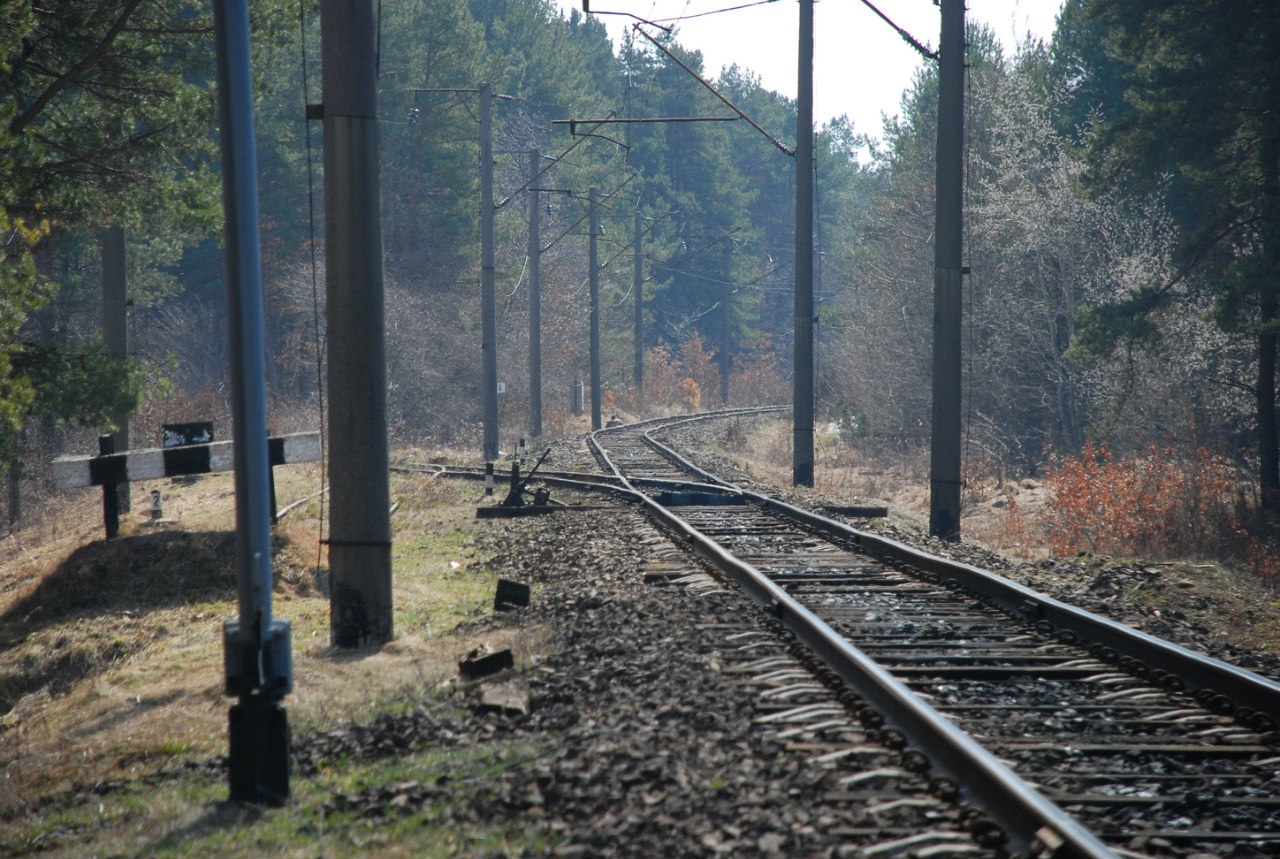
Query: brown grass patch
[[111, 660]]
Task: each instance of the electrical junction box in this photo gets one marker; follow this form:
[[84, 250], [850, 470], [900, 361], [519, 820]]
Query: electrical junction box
[[277, 660]]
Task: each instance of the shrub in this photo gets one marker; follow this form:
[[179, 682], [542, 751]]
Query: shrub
[[1160, 503], [690, 378], [690, 395]]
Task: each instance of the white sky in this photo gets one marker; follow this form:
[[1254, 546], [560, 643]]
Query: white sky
[[861, 65]]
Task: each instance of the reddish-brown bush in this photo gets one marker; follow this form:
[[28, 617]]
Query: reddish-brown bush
[[691, 378], [1161, 503]]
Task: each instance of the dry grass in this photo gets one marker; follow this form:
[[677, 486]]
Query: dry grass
[[111, 652], [999, 513]]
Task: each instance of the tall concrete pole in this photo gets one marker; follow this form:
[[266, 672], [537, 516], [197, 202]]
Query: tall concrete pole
[[115, 328], [802, 396], [257, 646], [488, 296], [593, 279], [944, 459], [726, 324], [535, 298], [637, 286], [359, 517]]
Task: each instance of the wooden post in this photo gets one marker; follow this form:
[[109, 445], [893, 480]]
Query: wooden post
[[110, 493]]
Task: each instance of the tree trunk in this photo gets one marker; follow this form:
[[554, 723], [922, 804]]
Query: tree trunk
[[1268, 454]]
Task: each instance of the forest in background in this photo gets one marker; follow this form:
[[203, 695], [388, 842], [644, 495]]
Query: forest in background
[[1121, 232]]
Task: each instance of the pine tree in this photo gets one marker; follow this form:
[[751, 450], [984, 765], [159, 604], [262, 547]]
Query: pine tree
[[1202, 81]]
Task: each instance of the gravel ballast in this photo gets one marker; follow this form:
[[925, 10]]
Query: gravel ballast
[[655, 734]]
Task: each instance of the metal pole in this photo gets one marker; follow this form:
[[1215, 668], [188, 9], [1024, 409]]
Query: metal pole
[[535, 299], [637, 284], [593, 262], [726, 322], [817, 284], [802, 398], [258, 662], [359, 518], [944, 468], [115, 327], [488, 300]]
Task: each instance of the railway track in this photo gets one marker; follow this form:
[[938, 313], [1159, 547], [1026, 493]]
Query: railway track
[[1077, 736]]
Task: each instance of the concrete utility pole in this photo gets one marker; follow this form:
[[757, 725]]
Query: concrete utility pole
[[944, 459], [115, 327], [488, 298], [535, 298], [256, 646], [802, 397], [593, 262], [726, 323], [359, 511], [637, 285]]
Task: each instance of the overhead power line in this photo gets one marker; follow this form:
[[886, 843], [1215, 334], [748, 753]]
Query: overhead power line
[[775, 141], [553, 162], [906, 37], [715, 11]]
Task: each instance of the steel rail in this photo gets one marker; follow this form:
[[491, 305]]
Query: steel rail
[[1028, 818], [669, 423], [1025, 814], [1203, 676]]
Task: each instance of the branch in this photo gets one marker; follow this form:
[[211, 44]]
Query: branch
[[1231, 383], [26, 117], [1210, 243]]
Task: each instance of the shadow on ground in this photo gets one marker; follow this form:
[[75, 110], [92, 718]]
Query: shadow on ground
[[130, 575], [141, 573]]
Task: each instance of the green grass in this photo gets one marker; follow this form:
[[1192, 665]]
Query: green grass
[[420, 549], [455, 595], [191, 817]]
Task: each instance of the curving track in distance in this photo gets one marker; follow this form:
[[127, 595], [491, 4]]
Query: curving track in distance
[[1079, 736]]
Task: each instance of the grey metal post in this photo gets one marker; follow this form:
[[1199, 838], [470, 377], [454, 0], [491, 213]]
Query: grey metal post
[[488, 299], [535, 298], [944, 459], [257, 648], [802, 397], [593, 262], [115, 327], [637, 285], [359, 518]]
